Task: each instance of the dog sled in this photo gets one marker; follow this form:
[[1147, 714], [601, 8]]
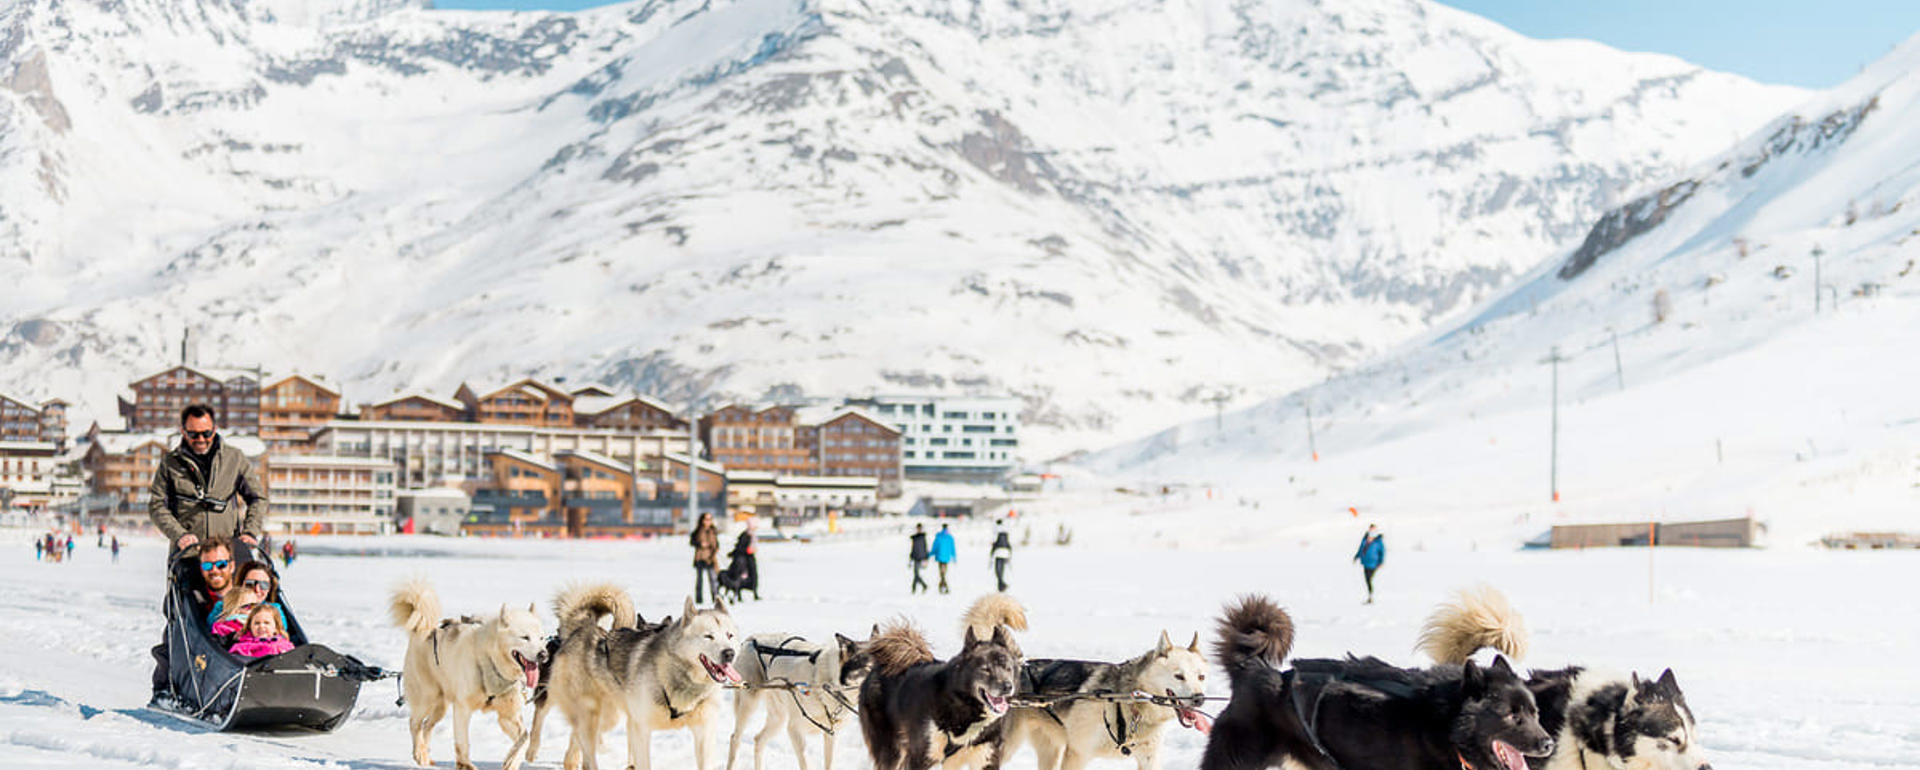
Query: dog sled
[[309, 686]]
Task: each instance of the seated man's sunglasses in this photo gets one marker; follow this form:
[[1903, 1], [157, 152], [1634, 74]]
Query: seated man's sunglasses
[[209, 566], [199, 434]]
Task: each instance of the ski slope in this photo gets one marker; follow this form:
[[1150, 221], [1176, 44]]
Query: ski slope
[[1791, 657]]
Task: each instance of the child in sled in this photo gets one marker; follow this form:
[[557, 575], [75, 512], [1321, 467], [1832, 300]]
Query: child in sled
[[255, 586], [265, 634]]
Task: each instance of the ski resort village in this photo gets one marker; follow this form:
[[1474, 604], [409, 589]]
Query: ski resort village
[[914, 384]]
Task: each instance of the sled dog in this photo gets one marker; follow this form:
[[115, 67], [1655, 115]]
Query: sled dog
[[1600, 721], [661, 676], [464, 664], [805, 687], [917, 712], [1327, 714], [1089, 716]]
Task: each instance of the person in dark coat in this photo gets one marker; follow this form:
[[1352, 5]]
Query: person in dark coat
[[1372, 553], [743, 569], [705, 540], [917, 557], [1001, 553]]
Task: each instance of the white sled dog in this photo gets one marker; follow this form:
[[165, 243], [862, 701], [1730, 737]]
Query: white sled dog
[[660, 676], [805, 687], [1599, 721], [1091, 715], [467, 664]]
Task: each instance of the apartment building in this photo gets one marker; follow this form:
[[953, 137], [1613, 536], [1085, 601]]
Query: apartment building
[[527, 402], [581, 494], [313, 494], [792, 500], [26, 420], [292, 407], [415, 407], [951, 438], [441, 453], [852, 442], [234, 396], [632, 413], [27, 472], [744, 438]]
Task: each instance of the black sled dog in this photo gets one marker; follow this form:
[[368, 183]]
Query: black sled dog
[[1330, 714], [1600, 721], [918, 712]]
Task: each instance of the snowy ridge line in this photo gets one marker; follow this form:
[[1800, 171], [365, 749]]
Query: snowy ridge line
[[604, 195]]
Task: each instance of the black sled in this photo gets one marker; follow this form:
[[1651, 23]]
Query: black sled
[[309, 686]]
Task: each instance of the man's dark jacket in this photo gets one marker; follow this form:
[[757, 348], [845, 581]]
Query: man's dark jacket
[[173, 500]]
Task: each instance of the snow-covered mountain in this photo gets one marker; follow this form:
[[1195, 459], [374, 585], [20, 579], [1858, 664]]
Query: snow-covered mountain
[[1118, 210], [1701, 378]]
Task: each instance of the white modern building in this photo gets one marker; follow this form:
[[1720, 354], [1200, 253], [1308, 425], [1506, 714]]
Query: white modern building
[[951, 438], [432, 453], [27, 472], [434, 510], [330, 495]]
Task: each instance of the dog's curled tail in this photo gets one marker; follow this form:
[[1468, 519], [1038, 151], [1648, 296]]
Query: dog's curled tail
[[1476, 618], [583, 604], [897, 647], [415, 607], [994, 610], [1254, 629]]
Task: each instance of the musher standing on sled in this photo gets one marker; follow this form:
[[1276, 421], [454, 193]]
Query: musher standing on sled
[[203, 489]]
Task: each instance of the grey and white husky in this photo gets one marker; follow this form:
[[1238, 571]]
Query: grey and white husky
[[1092, 714], [805, 687], [1600, 721], [661, 676]]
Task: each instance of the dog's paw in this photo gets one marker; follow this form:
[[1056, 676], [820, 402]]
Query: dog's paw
[[465, 765]]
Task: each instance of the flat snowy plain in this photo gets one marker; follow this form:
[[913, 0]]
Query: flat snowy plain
[[1791, 656]]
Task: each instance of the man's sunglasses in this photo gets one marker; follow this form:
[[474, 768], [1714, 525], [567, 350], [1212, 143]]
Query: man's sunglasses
[[257, 585], [199, 434], [209, 566]]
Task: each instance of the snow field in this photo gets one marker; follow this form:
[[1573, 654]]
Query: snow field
[[1790, 657]]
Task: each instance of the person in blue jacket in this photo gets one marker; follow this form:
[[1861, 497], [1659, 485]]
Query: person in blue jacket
[[943, 554], [1373, 552]]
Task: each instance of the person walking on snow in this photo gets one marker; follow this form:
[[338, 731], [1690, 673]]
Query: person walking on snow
[[917, 558], [1372, 553], [706, 552], [943, 554], [1001, 554]]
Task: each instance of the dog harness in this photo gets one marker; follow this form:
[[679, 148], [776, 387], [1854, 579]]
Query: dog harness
[[491, 681], [794, 689]]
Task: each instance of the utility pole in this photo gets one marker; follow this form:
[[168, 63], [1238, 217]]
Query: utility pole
[[1310, 446], [1219, 400], [1619, 373], [1816, 278], [693, 465], [1553, 451]]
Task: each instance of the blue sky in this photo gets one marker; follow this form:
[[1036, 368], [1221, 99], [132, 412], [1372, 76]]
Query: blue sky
[[1796, 42]]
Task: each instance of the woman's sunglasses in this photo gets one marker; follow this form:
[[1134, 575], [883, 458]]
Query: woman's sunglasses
[[209, 566], [257, 585]]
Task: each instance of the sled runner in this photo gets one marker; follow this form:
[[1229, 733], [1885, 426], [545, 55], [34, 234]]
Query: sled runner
[[308, 686]]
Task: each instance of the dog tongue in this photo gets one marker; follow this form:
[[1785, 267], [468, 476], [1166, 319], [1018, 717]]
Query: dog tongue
[[732, 674], [531, 671], [997, 704], [1197, 721], [1509, 756]]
